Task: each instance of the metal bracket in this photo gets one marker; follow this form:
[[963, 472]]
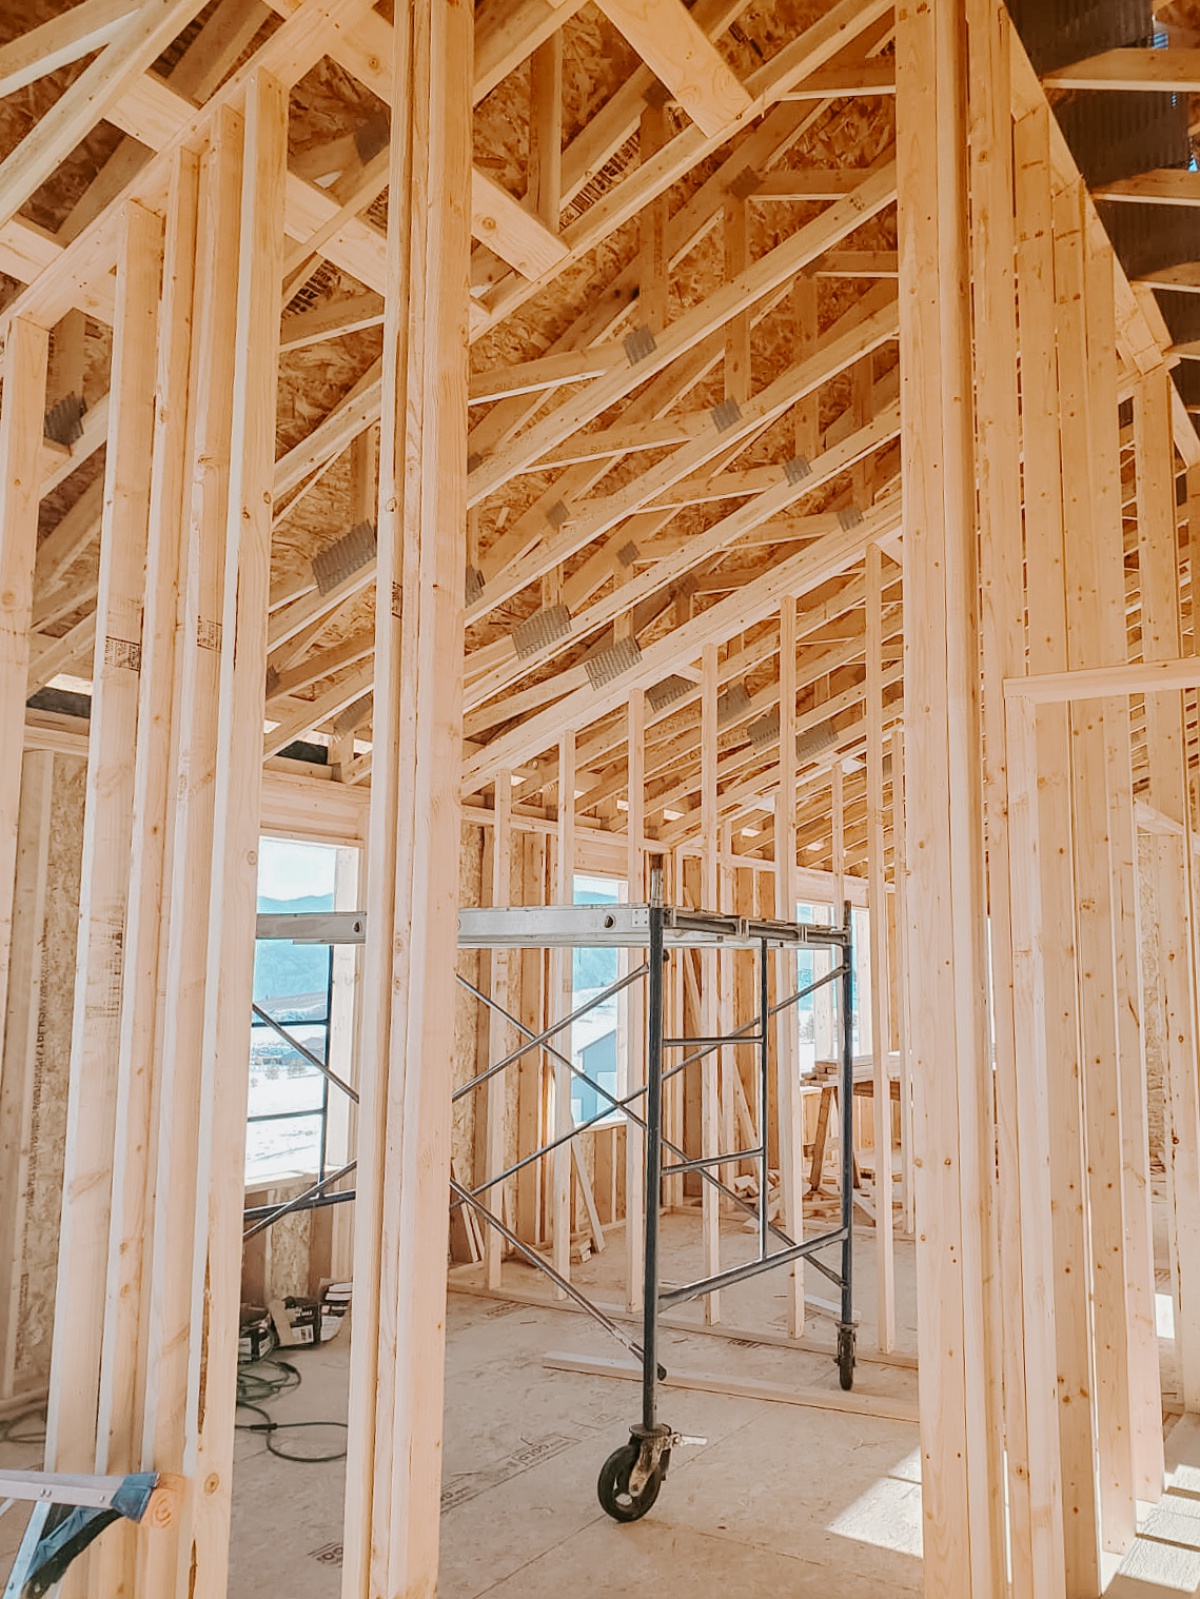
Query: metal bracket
[[815, 741], [764, 730], [547, 624], [64, 420], [744, 183], [733, 703], [610, 663], [725, 415], [667, 691], [638, 345], [341, 560], [355, 714]]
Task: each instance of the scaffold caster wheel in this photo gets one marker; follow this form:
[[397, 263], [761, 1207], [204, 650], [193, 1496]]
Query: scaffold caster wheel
[[613, 1487], [845, 1356]]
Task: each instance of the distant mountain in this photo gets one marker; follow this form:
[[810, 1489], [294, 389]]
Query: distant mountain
[[283, 970]]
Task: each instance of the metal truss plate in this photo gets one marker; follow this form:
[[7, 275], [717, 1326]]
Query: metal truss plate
[[813, 743], [732, 704], [348, 555], [667, 691], [547, 624], [764, 730], [725, 415], [638, 344], [610, 663]]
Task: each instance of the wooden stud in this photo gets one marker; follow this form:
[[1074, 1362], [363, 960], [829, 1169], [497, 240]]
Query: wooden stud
[[738, 383], [789, 1099], [900, 876], [709, 996], [26, 354], [1047, 905], [1144, 1399], [676, 1021], [561, 987], [169, 1423], [396, 1379], [529, 1068], [807, 413], [128, 1290], [961, 1423], [881, 1079], [544, 187], [1166, 745], [233, 893], [23, 1054], [1095, 629], [500, 1035], [1023, 1130], [653, 281], [636, 1197], [107, 844]]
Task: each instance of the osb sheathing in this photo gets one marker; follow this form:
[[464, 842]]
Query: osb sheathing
[[596, 61], [275, 1264], [329, 103], [39, 1246]]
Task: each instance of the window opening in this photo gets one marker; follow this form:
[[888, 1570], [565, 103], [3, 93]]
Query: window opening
[[597, 1040], [287, 1116]]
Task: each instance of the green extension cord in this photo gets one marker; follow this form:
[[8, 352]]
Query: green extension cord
[[261, 1381]]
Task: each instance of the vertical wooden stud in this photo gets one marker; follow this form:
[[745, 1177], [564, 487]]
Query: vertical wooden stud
[[23, 1054], [169, 1426], [500, 1033], [710, 1112], [790, 1101], [123, 1375], [107, 844], [24, 402], [396, 1378], [636, 1197], [561, 986], [881, 1081], [1025, 1303], [1095, 636], [1166, 745], [233, 896], [961, 1423], [546, 129], [1048, 906]]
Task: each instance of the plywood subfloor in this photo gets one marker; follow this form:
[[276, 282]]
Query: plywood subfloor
[[780, 1500]]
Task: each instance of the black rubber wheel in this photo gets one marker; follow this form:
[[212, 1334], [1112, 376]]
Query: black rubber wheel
[[845, 1359], [612, 1487]]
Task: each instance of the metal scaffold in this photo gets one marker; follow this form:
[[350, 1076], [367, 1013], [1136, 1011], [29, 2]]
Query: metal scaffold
[[632, 1476]]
